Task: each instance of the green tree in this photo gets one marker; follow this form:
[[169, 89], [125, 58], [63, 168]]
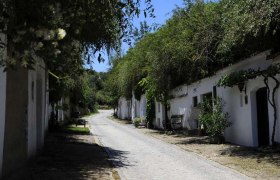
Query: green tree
[[39, 27], [112, 84], [195, 42], [249, 27], [170, 56]]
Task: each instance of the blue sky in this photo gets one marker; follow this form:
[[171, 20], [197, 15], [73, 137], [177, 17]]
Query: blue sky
[[163, 11]]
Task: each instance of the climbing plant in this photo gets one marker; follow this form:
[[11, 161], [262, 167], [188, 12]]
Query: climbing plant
[[244, 75], [150, 110]]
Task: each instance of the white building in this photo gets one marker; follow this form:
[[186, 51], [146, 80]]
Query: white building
[[135, 107], [124, 108], [3, 79], [132, 108], [23, 115], [142, 106], [250, 114], [159, 115]]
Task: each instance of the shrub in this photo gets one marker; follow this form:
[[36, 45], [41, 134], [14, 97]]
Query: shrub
[[137, 121], [150, 111], [213, 117]]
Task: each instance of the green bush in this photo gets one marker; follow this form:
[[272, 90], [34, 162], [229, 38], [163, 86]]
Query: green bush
[[150, 111], [72, 129], [137, 121], [213, 118]]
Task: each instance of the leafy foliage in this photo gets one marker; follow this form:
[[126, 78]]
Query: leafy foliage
[[171, 56], [150, 109], [213, 117], [52, 29], [242, 76], [138, 121], [86, 90], [238, 77], [198, 40], [83, 92], [249, 27]]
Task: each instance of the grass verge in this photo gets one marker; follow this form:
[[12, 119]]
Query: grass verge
[[72, 129]]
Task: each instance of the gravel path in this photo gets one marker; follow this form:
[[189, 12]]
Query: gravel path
[[137, 156]]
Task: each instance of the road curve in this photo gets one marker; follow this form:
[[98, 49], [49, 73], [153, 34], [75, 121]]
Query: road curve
[[138, 156]]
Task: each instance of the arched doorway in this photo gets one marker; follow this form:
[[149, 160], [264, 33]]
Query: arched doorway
[[262, 117]]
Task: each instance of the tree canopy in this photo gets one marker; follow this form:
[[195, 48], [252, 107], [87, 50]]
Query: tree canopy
[[198, 40], [61, 31]]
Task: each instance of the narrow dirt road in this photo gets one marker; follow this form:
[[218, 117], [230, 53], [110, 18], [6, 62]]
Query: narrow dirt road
[[137, 156]]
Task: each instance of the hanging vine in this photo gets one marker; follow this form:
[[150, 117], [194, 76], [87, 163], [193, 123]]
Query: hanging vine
[[242, 76]]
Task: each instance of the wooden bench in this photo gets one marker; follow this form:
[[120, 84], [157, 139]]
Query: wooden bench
[[176, 121], [79, 121]]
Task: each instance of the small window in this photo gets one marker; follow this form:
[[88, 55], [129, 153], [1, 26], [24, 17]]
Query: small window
[[241, 100], [32, 90], [158, 107], [195, 101], [214, 91], [207, 98], [246, 99]]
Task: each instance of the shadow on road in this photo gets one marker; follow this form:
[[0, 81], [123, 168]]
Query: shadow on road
[[68, 156], [118, 158]]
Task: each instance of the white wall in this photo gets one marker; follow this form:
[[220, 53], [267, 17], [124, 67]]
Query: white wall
[[2, 114], [159, 115], [142, 106], [124, 108], [3, 79], [131, 109], [60, 112], [277, 134], [277, 99], [32, 124], [36, 108], [46, 119], [182, 104], [40, 104], [135, 107], [243, 116]]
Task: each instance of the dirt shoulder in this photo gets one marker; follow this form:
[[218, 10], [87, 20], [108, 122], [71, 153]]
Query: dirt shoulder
[[253, 162], [258, 163], [68, 156]]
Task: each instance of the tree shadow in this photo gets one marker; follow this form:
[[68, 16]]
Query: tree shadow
[[261, 154], [195, 140], [117, 158], [187, 137], [71, 157]]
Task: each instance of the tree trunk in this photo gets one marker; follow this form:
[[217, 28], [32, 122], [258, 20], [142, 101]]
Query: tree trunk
[[166, 116], [272, 102], [275, 110]]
